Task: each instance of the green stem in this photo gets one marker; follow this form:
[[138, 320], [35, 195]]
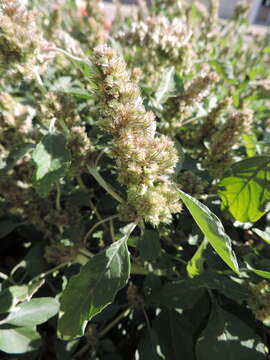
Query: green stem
[[56, 268], [7, 278], [58, 197], [96, 225], [114, 322], [81, 183], [104, 184]]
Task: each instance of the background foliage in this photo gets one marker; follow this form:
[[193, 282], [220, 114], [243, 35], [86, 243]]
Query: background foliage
[[134, 183]]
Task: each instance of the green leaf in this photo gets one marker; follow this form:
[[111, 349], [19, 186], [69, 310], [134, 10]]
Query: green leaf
[[79, 93], [17, 154], [147, 348], [181, 294], [224, 69], [166, 86], [9, 297], [175, 335], [52, 160], [260, 267], [12, 295], [250, 141], [149, 245], [33, 312], [265, 236], [212, 228], [223, 284], [7, 226], [226, 337], [19, 340], [195, 264], [89, 292], [246, 193]]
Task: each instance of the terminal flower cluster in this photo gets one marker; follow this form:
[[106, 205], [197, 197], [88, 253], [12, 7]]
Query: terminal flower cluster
[[145, 161]]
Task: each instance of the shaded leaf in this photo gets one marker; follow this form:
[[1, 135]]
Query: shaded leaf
[[260, 267], [89, 292], [7, 226], [52, 160], [246, 193], [149, 245], [175, 335], [181, 294], [147, 348], [212, 228], [226, 337]]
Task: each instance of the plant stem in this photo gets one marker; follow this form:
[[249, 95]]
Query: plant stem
[[56, 268], [114, 322], [7, 278], [96, 225], [80, 182], [58, 197], [104, 184]]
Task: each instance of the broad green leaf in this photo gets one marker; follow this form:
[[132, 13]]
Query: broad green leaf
[[33, 312], [265, 236], [223, 284], [166, 86], [184, 294], [89, 292], [226, 337], [147, 348], [7, 226], [65, 349], [250, 141], [212, 228], [175, 335], [246, 193], [149, 245], [11, 296], [19, 340], [52, 160], [195, 264], [181, 294]]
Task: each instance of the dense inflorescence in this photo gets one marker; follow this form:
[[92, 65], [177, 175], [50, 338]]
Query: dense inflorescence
[[21, 40], [144, 160]]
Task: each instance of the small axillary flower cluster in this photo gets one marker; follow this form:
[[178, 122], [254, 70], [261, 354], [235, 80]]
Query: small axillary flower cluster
[[15, 122], [58, 106], [144, 161], [222, 142], [259, 302], [21, 42], [181, 107]]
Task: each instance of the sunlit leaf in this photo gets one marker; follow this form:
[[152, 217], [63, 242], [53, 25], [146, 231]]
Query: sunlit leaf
[[212, 228], [246, 192]]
